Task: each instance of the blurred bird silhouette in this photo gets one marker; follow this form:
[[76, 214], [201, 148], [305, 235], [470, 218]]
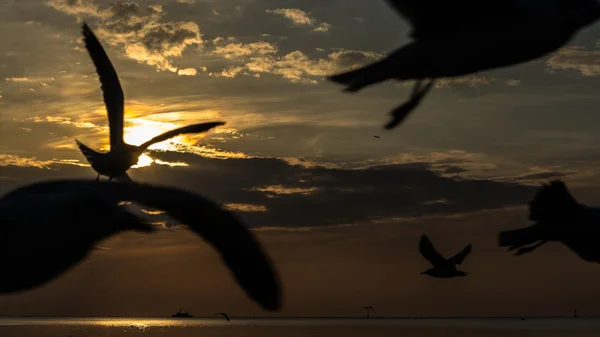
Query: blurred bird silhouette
[[224, 315], [558, 217], [121, 156], [368, 309], [49, 227], [442, 267], [458, 38], [376, 136]]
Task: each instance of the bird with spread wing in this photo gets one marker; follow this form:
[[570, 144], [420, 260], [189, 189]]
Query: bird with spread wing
[[122, 156], [49, 227], [557, 217], [442, 267], [463, 37]]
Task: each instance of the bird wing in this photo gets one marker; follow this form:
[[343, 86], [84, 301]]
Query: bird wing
[[237, 246], [430, 17], [428, 251], [553, 203], [196, 128], [114, 99], [459, 258]]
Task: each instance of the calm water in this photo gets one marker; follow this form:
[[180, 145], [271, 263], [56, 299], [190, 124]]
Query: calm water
[[88, 327]]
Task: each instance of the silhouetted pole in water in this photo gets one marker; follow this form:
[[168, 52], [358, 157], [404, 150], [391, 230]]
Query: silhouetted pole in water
[[574, 313], [367, 308]]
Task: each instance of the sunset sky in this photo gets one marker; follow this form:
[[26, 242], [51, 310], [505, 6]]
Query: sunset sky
[[339, 211]]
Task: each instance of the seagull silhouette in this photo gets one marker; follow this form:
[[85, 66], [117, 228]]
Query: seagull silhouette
[[442, 268], [49, 227], [458, 38], [368, 308], [121, 156], [223, 314], [558, 217]]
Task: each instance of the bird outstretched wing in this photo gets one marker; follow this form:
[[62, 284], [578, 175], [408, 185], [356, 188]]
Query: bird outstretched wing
[[429, 253], [114, 99], [237, 246], [196, 128], [440, 16], [459, 258]]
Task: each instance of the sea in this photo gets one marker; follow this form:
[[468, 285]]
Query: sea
[[299, 327]]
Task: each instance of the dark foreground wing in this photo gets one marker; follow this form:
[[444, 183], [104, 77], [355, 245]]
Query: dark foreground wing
[[237, 246], [428, 251]]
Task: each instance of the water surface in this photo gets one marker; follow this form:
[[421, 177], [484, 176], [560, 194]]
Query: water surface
[[499, 327]]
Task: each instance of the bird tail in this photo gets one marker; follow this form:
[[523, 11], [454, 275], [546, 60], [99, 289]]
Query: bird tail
[[89, 154], [358, 79]]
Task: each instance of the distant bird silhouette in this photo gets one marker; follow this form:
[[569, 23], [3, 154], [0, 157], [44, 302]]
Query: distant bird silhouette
[[368, 308], [458, 38], [558, 217], [48, 227], [224, 315], [442, 268], [376, 136], [121, 156]]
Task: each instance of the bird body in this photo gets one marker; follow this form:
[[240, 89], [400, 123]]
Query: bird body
[[49, 227], [464, 53], [122, 156], [557, 217], [442, 267], [458, 38]]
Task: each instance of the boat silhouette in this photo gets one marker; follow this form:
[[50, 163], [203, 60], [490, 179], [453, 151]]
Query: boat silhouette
[[182, 314]]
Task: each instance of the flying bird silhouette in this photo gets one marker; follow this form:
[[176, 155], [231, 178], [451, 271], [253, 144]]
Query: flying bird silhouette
[[458, 38], [368, 308], [224, 315], [376, 136], [121, 156], [442, 268], [49, 227], [558, 217]]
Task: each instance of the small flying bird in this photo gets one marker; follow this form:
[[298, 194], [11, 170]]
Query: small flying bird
[[368, 309], [121, 156], [223, 314], [457, 38], [557, 217], [442, 268], [376, 136], [49, 227]]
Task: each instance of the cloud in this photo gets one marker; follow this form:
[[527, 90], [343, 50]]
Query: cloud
[[270, 192], [575, 58], [245, 208], [231, 49], [261, 57], [140, 33], [323, 27], [295, 15], [18, 161], [187, 72], [300, 17]]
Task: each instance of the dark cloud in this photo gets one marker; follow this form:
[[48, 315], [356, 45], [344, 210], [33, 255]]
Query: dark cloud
[[310, 196]]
